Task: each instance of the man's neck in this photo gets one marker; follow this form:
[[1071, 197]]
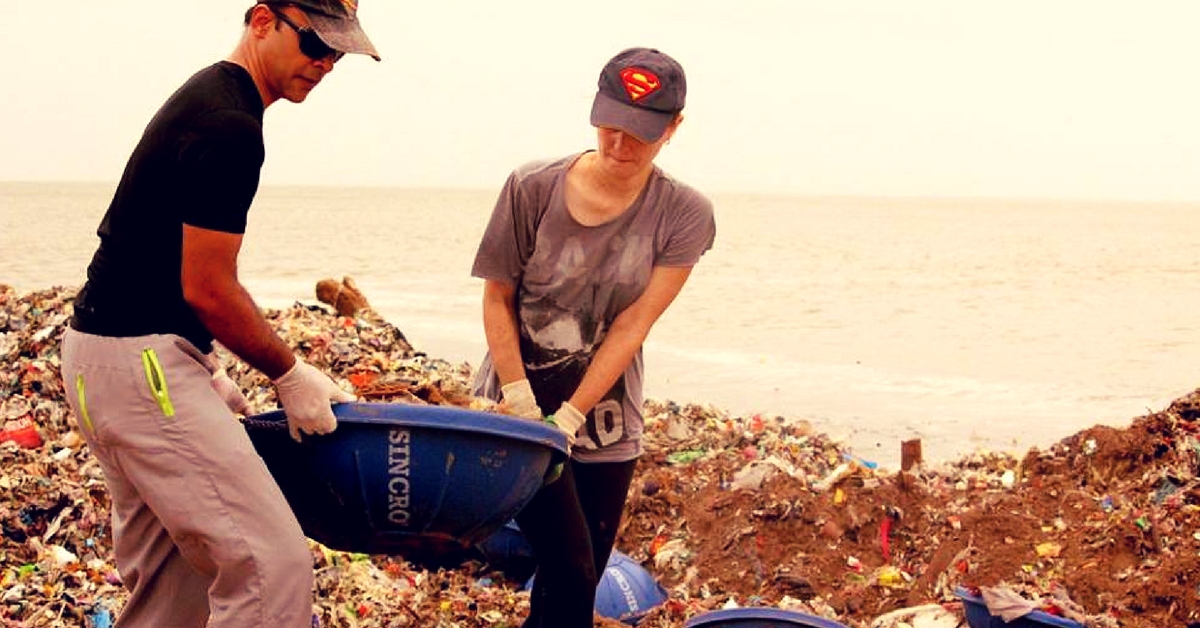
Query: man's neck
[[244, 56]]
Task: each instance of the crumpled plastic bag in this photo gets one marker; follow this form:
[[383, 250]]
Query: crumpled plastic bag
[[1006, 603]]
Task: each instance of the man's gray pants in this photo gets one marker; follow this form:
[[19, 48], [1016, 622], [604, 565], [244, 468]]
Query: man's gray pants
[[202, 535]]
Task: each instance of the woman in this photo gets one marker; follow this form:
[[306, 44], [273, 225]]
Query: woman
[[580, 258]]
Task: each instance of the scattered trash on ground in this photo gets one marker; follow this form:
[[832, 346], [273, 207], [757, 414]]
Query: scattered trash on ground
[[1102, 528]]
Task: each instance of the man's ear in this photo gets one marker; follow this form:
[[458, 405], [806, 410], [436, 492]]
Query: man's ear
[[261, 19]]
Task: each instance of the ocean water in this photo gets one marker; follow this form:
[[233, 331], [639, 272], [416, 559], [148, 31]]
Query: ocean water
[[970, 324]]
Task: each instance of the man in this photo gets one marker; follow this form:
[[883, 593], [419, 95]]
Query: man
[[202, 534]]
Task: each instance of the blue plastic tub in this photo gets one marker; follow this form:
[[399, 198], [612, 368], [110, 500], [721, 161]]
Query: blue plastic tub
[[626, 591], [978, 615], [422, 482], [760, 618]]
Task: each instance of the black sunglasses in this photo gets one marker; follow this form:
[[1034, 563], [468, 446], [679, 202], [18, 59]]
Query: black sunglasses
[[310, 43]]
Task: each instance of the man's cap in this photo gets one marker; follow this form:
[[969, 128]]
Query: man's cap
[[336, 23], [641, 90]]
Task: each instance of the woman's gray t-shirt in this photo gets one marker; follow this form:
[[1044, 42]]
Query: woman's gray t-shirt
[[573, 280]]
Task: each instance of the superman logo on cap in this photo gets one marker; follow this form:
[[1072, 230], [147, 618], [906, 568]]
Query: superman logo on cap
[[639, 83]]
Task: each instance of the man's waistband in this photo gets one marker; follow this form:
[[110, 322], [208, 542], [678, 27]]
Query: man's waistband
[[81, 321]]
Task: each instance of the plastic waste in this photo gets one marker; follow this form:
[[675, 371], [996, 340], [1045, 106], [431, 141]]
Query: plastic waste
[[21, 431]]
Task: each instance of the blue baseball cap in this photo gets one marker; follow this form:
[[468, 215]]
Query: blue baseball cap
[[641, 91]]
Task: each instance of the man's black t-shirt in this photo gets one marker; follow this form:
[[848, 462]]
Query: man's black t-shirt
[[198, 164]]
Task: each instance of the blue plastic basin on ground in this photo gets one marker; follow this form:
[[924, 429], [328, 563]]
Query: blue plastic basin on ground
[[626, 591], [422, 482], [759, 618], [978, 615]]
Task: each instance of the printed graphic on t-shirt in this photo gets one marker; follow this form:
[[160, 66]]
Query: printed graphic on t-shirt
[[568, 294]]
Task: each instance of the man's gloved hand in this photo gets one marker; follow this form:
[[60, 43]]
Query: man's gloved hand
[[518, 398], [569, 420], [305, 394], [225, 387], [231, 393]]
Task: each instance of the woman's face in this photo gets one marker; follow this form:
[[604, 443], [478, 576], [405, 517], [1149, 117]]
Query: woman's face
[[626, 155]]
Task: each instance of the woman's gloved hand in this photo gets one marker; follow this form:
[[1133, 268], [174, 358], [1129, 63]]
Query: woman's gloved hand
[[568, 420], [519, 399], [305, 394]]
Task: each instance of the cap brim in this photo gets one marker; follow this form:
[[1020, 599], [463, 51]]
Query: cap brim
[[343, 35], [645, 124]]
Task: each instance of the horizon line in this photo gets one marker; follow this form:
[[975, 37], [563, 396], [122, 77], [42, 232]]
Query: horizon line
[[711, 192]]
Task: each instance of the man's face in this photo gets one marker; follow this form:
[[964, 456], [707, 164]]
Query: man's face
[[288, 47]]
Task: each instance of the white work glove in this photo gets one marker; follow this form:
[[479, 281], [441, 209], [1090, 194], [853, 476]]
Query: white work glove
[[568, 420], [225, 387], [230, 393], [305, 394], [518, 398]]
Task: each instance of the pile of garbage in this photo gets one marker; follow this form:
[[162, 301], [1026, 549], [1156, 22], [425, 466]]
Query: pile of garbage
[[725, 511]]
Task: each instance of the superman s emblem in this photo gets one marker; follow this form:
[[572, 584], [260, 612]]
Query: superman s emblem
[[639, 83]]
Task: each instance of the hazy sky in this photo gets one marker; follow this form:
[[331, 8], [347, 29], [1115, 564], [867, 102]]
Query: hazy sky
[[1079, 98]]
